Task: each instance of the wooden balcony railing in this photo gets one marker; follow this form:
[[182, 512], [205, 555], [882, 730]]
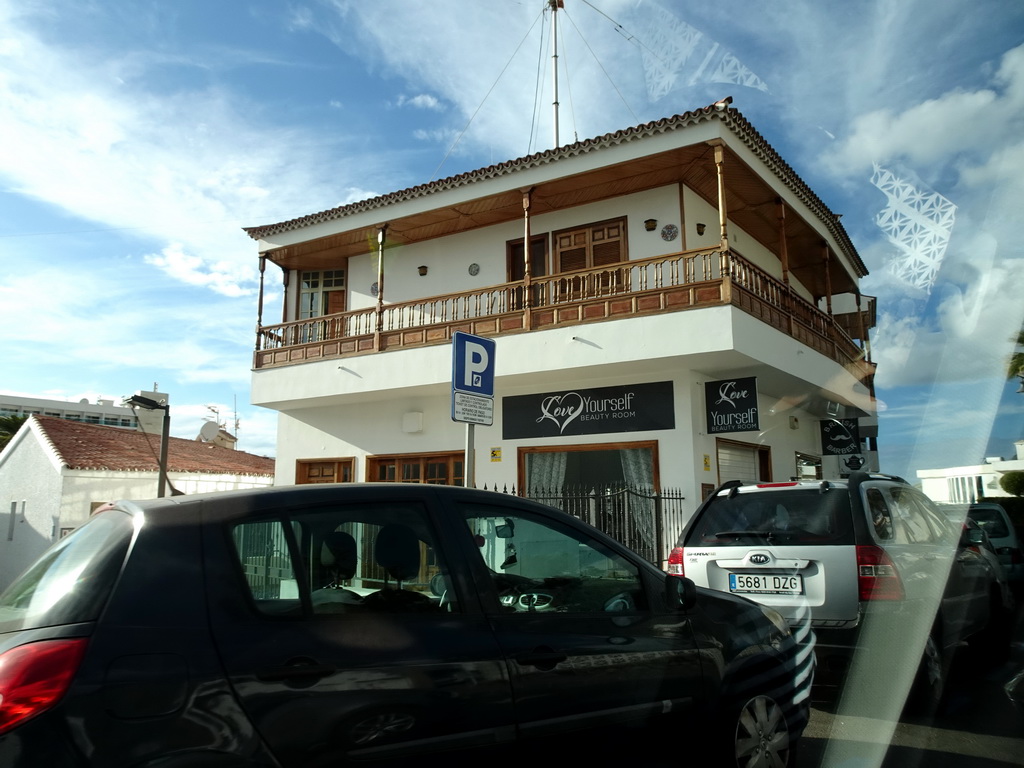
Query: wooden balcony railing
[[677, 282]]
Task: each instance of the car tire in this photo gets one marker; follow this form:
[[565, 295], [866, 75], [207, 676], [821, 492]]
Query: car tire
[[928, 693], [993, 643], [758, 734]]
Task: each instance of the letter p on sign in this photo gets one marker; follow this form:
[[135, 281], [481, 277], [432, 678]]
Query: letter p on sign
[[472, 364], [475, 364]]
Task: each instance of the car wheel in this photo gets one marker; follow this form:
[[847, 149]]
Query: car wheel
[[929, 689], [760, 734], [995, 640]]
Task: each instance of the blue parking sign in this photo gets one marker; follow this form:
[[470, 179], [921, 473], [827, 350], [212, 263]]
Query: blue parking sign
[[472, 364]]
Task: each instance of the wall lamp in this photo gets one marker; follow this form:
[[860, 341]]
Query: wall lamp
[[650, 224], [148, 404], [422, 269], [701, 228]]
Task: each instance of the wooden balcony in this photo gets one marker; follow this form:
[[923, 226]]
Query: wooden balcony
[[674, 283]]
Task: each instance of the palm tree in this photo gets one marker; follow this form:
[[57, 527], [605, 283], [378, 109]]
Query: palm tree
[[8, 426], [1016, 364]]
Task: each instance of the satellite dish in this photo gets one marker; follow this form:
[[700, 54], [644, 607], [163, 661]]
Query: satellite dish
[[209, 431]]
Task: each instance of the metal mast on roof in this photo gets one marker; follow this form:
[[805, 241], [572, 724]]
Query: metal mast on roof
[[554, 5]]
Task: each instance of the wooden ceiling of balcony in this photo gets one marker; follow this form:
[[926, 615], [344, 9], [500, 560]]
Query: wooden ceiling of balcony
[[751, 203]]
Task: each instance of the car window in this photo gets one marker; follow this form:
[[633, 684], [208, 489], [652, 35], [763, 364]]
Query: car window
[[916, 524], [786, 517], [538, 565], [993, 523], [359, 558], [73, 579], [878, 511]]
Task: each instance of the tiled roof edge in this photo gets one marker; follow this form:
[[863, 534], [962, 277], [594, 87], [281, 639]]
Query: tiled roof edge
[[493, 171], [730, 116]]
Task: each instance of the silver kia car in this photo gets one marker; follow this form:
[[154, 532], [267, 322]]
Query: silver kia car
[[868, 567]]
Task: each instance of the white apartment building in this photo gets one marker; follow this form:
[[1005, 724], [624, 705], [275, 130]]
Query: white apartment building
[[967, 484], [104, 412], [687, 312]]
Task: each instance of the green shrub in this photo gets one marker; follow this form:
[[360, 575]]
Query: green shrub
[[1013, 483]]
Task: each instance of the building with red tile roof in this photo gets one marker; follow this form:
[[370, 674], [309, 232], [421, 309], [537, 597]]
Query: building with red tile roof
[[55, 472]]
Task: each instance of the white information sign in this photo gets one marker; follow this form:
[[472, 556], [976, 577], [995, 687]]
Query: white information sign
[[472, 409]]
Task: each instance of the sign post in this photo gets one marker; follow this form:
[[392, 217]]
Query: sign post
[[472, 390]]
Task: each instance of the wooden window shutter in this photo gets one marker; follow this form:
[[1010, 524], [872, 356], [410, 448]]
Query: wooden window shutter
[[572, 250], [595, 245]]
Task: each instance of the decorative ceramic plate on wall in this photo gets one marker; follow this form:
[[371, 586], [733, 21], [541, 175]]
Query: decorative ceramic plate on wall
[[669, 232]]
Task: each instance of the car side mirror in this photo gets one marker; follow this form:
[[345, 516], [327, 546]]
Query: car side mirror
[[680, 593]]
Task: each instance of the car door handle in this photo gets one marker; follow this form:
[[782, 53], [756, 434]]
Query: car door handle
[[296, 669], [541, 658]]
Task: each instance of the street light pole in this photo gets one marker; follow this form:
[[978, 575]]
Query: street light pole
[[138, 401]]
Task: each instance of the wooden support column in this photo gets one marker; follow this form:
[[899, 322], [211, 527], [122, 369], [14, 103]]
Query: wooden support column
[[382, 232], [780, 210], [527, 276], [723, 213], [783, 246], [865, 342], [285, 282], [259, 303], [828, 278]]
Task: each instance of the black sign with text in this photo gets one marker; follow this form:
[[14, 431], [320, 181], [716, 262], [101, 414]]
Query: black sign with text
[[631, 408], [731, 405], [839, 437]]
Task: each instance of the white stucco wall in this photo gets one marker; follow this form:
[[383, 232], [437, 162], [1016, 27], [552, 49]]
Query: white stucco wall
[[81, 489], [448, 259], [47, 497], [354, 407], [30, 483]]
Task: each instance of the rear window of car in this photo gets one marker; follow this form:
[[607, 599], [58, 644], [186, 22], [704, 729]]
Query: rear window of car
[[991, 521], [71, 582], [783, 518]]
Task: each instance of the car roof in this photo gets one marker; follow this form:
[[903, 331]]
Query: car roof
[[238, 503], [808, 485]]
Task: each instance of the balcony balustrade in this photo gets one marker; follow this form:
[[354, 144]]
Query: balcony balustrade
[[678, 282]]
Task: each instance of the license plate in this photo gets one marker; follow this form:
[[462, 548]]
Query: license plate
[[766, 584]]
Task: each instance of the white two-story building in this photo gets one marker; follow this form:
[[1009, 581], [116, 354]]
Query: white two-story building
[[688, 313]]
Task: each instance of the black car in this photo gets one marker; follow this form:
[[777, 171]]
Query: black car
[[317, 625]]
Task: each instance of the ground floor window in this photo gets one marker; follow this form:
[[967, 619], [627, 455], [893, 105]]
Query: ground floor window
[[745, 462], [432, 468], [325, 471], [604, 465]]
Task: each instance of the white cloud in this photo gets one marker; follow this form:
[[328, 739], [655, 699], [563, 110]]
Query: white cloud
[[421, 101], [223, 277]]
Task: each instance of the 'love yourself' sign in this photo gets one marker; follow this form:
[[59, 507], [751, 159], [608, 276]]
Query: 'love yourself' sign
[[632, 408]]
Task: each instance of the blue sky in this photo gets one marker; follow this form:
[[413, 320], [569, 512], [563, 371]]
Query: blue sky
[[138, 137]]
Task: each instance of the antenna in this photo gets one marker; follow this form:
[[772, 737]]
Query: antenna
[[555, 5]]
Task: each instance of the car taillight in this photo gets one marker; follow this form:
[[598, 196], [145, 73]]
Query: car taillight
[[35, 676], [675, 562], [877, 577]]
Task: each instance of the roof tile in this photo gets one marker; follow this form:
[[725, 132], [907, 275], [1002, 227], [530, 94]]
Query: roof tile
[[92, 446]]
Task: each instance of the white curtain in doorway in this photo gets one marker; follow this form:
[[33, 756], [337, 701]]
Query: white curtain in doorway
[[545, 471], [638, 474]]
